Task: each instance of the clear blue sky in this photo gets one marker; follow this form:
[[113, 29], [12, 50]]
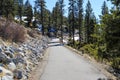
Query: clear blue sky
[[96, 5]]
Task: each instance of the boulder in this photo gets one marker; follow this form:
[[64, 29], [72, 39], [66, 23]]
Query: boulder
[[10, 54], [22, 54], [19, 60], [1, 49], [18, 74], [11, 49], [11, 66], [5, 74], [20, 66], [7, 77], [3, 58]]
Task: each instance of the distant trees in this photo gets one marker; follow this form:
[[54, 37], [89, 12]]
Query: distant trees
[[61, 4], [89, 22], [1, 7], [104, 8], [80, 17], [56, 15], [58, 18], [19, 9], [28, 13], [69, 23], [46, 20], [72, 18], [7, 8], [40, 6]]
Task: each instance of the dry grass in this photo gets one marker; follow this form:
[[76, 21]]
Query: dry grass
[[33, 33], [12, 31]]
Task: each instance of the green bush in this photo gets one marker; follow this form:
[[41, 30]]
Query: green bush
[[91, 49], [70, 42], [116, 63], [76, 45]]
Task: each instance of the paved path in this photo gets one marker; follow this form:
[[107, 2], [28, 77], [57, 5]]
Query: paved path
[[63, 64]]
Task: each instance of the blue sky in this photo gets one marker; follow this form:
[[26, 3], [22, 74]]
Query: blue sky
[[96, 5]]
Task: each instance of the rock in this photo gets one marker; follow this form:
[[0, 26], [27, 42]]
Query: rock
[[21, 59], [14, 49], [1, 49], [20, 66], [18, 60], [110, 69], [1, 64], [21, 48], [25, 77], [10, 54], [1, 73], [9, 60], [11, 49], [3, 58], [22, 54], [18, 74], [6, 74], [11, 66], [7, 77]]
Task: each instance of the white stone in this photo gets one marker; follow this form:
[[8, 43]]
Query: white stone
[[7, 75], [11, 66]]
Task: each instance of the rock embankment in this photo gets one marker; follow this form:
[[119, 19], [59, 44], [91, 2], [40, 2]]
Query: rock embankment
[[18, 60]]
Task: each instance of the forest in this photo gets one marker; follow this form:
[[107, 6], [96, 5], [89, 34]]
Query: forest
[[99, 38]]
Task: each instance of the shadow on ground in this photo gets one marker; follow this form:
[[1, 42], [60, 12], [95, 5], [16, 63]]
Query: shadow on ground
[[54, 44]]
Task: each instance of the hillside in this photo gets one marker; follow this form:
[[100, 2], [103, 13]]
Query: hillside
[[20, 50]]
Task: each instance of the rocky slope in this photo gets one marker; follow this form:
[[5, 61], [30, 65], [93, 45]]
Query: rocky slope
[[18, 60]]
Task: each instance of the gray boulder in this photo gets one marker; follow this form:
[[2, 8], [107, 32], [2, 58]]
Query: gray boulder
[[18, 74], [10, 54], [3, 58]]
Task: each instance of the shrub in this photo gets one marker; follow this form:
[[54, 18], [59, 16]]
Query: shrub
[[33, 33], [116, 63], [30, 33], [91, 49], [12, 31], [70, 42]]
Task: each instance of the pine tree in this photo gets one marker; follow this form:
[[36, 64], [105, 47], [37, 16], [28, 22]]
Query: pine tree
[[1, 7], [35, 17], [116, 3], [20, 10], [40, 4], [46, 19], [80, 19], [56, 15], [19, 6], [61, 3], [7, 8], [111, 29], [69, 22], [72, 17], [28, 13], [104, 8], [88, 24]]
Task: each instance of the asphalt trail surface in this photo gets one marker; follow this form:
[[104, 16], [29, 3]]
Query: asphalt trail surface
[[63, 64]]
